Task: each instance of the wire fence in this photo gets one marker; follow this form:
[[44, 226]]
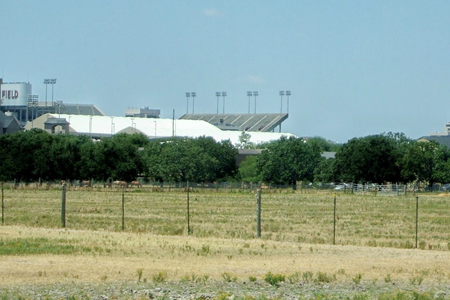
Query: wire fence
[[302, 187], [328, 216]]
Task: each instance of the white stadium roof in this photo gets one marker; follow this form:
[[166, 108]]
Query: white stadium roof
[[158, 128]]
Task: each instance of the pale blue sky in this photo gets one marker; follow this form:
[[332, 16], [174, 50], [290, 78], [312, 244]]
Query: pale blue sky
[[354, 68]]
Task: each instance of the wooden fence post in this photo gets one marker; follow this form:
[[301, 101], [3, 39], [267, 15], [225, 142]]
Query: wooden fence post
[[258, 213]]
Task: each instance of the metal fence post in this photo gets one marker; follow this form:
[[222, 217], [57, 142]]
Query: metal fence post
[[258, 213], [63, 205], [123, 208], [3, 207], [187, 208], [334, 221], [417, 218]]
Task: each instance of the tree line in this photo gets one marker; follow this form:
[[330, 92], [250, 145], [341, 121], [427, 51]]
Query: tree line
[[381, 158], [37, 155]]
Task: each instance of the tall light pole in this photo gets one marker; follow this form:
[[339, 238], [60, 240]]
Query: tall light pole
[[155, 128], [193, 94], [288, 93], [46, 82], [59, 104], [187, 100], [249, 94], [218, 96], [281, 95], [52, 82], [255, 93], [224, 94], [112, 125]]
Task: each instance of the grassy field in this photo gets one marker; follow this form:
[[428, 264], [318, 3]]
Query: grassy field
[[361, 220], [374, 236]]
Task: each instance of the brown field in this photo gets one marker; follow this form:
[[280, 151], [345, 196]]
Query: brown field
[[375, 237]]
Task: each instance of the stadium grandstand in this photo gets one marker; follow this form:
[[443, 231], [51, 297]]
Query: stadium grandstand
[[154, 128], [78, 109], [241, 122]]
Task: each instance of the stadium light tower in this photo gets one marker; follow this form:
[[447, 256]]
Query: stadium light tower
[[281, 95], [187, 102], [249, 94], [255, 93], [288, 93], [52, 82], [46, 82], [218, 96], [193, 94], [224, 94]]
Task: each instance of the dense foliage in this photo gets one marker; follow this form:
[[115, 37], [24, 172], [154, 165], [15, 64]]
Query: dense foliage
[[36, 155]]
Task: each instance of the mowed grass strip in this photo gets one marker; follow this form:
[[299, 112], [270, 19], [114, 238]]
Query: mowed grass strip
[[361, 220]]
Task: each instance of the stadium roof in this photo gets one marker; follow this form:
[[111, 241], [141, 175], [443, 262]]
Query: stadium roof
[[99, 126], [241, 122]]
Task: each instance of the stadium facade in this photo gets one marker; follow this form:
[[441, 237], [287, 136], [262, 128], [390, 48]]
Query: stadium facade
[[18, 100]]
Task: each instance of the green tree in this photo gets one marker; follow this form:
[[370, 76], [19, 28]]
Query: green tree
[[426, 162], [369, 159], [118, 158], [185, 159], [248, 171], [8, 163], [288, 160], [323, 144], [244, 141], [324, 172]]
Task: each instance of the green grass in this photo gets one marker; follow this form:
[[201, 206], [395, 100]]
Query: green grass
[[32, 246]]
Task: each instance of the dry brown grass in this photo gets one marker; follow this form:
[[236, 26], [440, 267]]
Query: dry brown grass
[[182, 255], [297, 233]]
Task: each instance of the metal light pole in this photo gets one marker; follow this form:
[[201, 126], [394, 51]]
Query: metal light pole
[[46, 82], [224, 94], [218, 96], [193, 94], [112, 125], [187, 100], [155, 128], [52, 82], [59, 103], [281, 95], [255, 93], [249, 94], [288, 93], [132, 125]]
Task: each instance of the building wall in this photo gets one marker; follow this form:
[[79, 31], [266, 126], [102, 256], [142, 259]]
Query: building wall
[[15, 94]]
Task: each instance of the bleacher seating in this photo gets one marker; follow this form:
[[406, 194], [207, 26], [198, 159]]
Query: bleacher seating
[[241, 122]]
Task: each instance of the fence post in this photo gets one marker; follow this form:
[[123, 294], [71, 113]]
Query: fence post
[[63, 205], [334, 220], [417, 218], [123, 208], [187, 208], [258, 213], [3, 207]]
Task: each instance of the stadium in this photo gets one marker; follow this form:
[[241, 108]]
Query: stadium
[[58, 117]]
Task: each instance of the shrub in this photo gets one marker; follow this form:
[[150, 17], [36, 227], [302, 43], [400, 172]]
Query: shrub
[[274, 279]]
